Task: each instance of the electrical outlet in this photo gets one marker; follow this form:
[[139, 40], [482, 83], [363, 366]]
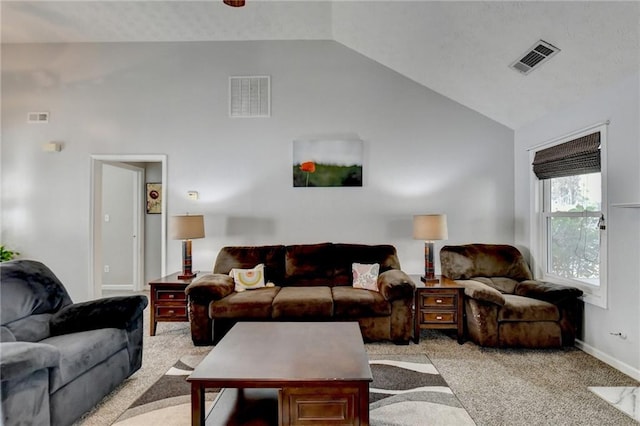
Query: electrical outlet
[[106, 268]]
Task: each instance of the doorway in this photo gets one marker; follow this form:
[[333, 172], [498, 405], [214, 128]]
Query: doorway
[[128, 246]]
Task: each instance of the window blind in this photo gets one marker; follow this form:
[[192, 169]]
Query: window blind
[[576, 157]]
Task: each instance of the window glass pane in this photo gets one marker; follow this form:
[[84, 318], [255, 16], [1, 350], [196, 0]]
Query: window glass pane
[[575, 248], [576, 193]]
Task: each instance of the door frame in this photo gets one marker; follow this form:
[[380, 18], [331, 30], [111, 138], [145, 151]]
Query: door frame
[[95, 215]]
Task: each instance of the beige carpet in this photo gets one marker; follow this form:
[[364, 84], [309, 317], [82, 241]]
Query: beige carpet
[[496, 386], [406, 390]]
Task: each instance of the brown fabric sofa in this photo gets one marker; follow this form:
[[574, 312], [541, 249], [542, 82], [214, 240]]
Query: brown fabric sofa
[[312, 283], [504, 305]]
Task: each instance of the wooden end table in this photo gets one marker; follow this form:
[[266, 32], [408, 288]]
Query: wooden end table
[[168, 301], [439, 304]]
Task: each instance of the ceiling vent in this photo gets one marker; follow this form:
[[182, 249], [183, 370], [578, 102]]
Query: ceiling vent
[[538, 54], [250, 96]]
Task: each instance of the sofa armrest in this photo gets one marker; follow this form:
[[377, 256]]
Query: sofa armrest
[[109, 312], [20, 359], [548, 292], [482, 292], [210, 287], [394, 284]]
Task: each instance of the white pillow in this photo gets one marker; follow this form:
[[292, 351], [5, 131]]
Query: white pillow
[[248, 279], [365, 276]]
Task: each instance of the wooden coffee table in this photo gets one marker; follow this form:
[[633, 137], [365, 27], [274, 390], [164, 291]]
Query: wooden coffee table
[[285, 373]]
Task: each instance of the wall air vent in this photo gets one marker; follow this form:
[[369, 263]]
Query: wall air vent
[[250, 96], [538, 54], [37, 117]]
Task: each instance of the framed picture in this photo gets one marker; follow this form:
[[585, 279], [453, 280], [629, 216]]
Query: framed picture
[[327, 163], [154, 198]]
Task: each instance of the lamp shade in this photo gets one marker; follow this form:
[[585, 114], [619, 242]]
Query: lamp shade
[[430, 227], [187, 227]]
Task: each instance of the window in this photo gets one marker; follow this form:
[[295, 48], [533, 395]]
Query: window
[[570, 230]]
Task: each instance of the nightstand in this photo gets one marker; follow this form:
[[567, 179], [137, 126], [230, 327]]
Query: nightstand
[[168, 301], [438, 304]]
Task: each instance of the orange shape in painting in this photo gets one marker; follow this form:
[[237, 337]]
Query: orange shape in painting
[[308, 166]]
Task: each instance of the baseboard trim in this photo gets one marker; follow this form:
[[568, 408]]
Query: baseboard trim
[[608, 359], [118, 287]]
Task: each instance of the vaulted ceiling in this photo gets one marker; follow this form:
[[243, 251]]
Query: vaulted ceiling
[[461, 50]]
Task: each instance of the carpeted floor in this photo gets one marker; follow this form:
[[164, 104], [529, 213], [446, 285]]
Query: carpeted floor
[[495, 386], [406, 390]]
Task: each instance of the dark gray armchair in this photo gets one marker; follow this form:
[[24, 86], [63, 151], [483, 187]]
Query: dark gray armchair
[[58, 359]]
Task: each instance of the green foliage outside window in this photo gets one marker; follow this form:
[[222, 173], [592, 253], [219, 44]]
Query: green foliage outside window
[[575, 238]]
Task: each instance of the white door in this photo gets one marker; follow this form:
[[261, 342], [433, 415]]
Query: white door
[[121, 201]]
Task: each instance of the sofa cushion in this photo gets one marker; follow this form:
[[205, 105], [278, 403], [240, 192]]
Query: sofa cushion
[[502, 284], [245, 257], [29, 288], [518, 308], [32, 328], [247, 304], [310, 265], [82, 351], [347, 254], [349, 302], [483, 260], [303, 302]]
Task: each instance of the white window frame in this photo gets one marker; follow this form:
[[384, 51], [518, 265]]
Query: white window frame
[[593, 294]]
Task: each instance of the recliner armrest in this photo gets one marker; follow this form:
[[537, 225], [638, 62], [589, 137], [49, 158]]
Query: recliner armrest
[[480, 291], [210, 287], [108, 312], [20, 359], [548, 292], [394, 284]]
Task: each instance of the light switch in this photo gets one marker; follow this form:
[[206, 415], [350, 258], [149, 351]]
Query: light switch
[[193, 195], [106, 218]]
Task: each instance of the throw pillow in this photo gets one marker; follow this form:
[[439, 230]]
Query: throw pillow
[[248, 279], [365, 276]]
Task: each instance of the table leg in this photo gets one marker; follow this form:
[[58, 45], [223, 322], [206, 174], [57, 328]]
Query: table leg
[[416, 320], [460, 315], [364, 404], [197, 405], [152, 313]]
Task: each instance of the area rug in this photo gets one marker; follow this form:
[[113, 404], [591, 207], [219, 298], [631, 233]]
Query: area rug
[[406, 390]]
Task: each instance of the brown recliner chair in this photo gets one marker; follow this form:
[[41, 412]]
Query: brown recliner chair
[[504, 305]]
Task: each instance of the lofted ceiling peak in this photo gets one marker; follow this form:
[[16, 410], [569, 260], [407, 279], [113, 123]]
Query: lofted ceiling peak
[[461, 50]]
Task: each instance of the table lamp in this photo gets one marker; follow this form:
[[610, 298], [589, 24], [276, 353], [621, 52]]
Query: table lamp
[[430, 228], [187, 228]]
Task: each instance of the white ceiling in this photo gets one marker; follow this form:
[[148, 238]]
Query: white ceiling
[[461, 50]]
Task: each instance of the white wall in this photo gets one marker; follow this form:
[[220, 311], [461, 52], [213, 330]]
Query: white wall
[[423, 152], [619, 104]]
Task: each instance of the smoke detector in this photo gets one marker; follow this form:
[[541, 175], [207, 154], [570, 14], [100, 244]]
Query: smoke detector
[[537, 55]]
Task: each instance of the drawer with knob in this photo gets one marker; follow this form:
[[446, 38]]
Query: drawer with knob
[[439, 305], [169, 302], [174, 312]]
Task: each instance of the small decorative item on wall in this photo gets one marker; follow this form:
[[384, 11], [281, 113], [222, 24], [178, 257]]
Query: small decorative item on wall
[[327, 162], [154, 198]]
